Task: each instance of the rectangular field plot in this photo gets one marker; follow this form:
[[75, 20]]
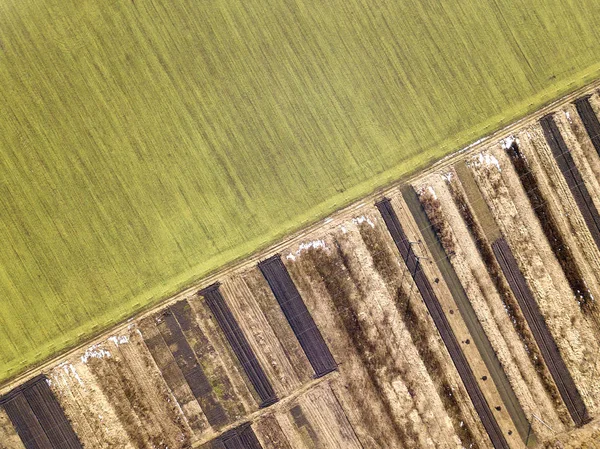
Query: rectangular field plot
[[590, 120], [572, 176], [38, 418], [544, 338], [441, 322], [239, 344], [298, 316]]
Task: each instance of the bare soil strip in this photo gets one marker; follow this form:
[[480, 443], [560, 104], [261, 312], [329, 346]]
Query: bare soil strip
[[503, 323], [239, 344], [437, 314], [214, 370], [263, 295], [572, 176], [229, 380], [364, 386], [38, 417], [486, 221], [9, 438], [298, 316], [270, 434], [51, 416], [546, 343], [549, 225], [83, 399], [173, 377], [26, 423], [589, 119], [475, 212], [468, 313], [263, 341], [192, 370]]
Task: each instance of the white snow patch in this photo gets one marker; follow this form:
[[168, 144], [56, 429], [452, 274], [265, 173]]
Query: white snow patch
[[432, 192], [119, 340], [474, 144], [69, 369], [448, 176], [328, 220], [95, 352], [344, 230], [568, 115], [49, 382], [305, 246], [363, 219], [487, 160], [507, 143]]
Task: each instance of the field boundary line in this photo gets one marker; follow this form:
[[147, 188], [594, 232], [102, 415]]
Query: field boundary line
[[331, 221]]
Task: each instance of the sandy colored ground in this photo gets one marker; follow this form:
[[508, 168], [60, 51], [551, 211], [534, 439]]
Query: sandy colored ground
[[574, 334], [586, 438], [9, 439], [510, 348]]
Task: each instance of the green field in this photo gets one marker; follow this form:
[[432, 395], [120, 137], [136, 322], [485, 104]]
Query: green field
[[145, 143]]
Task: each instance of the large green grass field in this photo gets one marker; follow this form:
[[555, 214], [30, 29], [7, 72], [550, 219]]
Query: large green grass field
[[145, 143]]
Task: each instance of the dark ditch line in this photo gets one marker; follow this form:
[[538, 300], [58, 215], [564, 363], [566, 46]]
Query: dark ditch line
[[590, 120], [549, 225], [241, 348], [467, 312], [242, 437], [567, 166], [192, 370], [556, 365], [297, 314], [441, 322], [38, 418]]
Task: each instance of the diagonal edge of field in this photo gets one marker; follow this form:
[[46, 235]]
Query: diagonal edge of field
[[342, 206]]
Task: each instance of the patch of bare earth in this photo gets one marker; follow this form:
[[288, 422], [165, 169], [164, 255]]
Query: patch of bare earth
[[573, 334], [514, 345], [9, 439]]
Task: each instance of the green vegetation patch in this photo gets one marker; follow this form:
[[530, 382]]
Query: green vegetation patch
[[145, 143]]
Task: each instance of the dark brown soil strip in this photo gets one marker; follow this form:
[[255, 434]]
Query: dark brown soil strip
[[170, 371], [590, 120], [550, 227], [304, 427], [556, 365], [51, 416], [239, 344], [215, 371], [298, 316], [26, 424], [192, 371], [241, 437], [485, 348], [437, 314], [567, 166], [272, 435], [495, 272], [38, 417]]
